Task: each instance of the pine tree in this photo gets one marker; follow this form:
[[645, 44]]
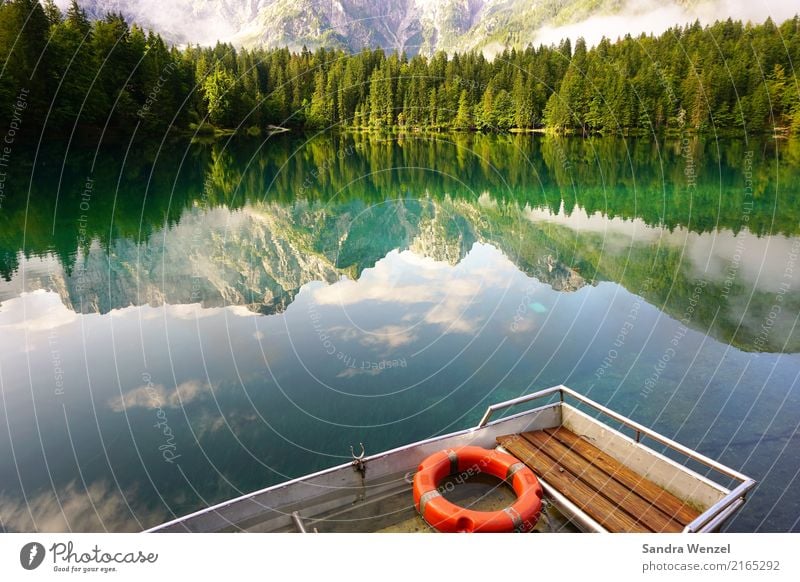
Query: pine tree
[[217, 92], [103, 73], [52, 12], [463, 119], [522, 98], [321, 109]]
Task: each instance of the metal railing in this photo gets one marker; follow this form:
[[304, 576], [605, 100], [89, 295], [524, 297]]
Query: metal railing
[[714, 516]]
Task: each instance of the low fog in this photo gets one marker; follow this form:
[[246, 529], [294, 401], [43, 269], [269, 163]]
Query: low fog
[[650, 16]]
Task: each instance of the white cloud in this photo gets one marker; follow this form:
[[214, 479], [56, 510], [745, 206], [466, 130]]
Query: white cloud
[[649, 16], [181, 21], [390, 336], [524, 326], [432, 291], [157, 396], [382, 283], [37, 311], [581, 221], [353, 372], [240, 311], [757, 261], [98, 508]]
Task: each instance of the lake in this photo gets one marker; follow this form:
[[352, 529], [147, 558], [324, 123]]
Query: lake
[[182, 323]]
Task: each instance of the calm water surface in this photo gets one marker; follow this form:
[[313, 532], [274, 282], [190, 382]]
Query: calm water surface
[[179, 326]]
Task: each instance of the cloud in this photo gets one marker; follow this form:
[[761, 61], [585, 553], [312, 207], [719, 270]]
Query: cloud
[[651, 17], [524, 326], [240, 311], [349, 292], [405, 277], [389, 336], [182, 21], [73, 508], [450, 317], [439, 293], [581, 221], [207, 423], [758, 262], [37, 311], [194, 311], [156, 396], [353, 372]]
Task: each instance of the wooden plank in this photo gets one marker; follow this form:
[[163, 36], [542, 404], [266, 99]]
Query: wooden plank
[[626, 499], [680, 511], [590, 501]]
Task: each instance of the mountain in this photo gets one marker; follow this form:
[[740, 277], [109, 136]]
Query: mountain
[[410, 25], [414, 25], [260, 256]]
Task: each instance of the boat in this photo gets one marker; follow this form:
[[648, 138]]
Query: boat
[[599, 472]]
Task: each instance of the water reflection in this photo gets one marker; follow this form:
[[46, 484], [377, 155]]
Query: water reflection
[[261, 255], [209, 328]]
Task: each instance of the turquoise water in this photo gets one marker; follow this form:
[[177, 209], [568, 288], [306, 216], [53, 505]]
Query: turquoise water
[[184, 324]]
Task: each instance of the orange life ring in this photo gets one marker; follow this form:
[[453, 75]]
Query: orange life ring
[[448, 517]]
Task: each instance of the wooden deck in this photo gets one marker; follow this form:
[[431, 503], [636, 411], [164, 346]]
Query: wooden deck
[[614, 496]]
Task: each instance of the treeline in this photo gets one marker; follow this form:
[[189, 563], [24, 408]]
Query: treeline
[[136, 195], [67, 71]]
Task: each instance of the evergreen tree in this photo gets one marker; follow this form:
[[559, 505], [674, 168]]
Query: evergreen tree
[[463, 119], [108, 75], [217, 89]]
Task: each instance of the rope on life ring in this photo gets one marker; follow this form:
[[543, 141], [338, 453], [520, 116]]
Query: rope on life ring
[[445, 516]]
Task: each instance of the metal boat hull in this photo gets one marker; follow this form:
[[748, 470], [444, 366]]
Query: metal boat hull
[[343, 499]]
